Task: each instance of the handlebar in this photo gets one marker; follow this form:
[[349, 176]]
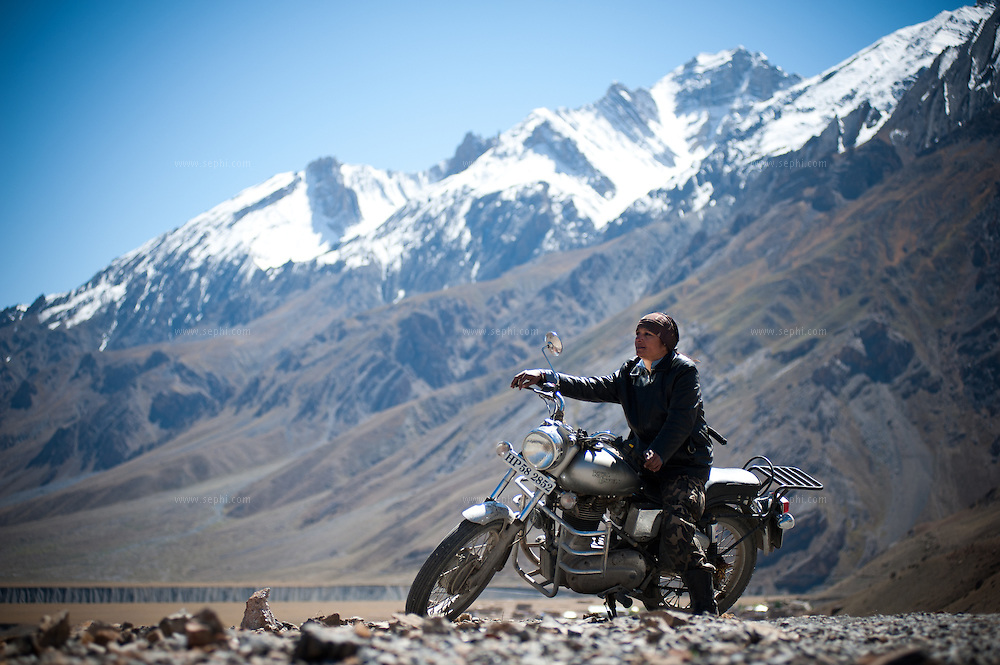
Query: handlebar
[[548, 392]]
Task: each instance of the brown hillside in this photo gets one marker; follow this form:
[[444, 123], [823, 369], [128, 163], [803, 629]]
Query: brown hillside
[[950, 565]]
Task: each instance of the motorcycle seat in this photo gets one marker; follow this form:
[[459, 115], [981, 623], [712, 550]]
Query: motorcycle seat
[[731, 482]]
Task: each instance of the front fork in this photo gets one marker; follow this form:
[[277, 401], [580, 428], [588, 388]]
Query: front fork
[[492, 510]]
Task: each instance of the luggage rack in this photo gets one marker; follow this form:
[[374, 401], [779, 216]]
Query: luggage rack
[[784, 478]]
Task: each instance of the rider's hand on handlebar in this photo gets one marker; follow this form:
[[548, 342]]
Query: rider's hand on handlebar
[[652, 461], [528, 378]]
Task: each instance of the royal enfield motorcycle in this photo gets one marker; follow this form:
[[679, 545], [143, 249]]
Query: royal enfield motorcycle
[[578, 518]]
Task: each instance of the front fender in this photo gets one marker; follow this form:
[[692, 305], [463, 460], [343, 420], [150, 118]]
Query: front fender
[[489, 511]]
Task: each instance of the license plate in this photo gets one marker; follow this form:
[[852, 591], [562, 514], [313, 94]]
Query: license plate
[[518, 463]]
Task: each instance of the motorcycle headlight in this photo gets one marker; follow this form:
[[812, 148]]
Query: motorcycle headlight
[[543, 447]]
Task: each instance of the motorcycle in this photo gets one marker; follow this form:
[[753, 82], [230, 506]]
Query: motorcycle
[[578, 518]]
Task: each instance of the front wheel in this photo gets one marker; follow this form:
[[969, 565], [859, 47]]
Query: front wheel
[[443, 587], [734, 557]]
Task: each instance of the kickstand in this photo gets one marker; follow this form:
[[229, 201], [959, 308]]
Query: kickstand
[[609, 600]]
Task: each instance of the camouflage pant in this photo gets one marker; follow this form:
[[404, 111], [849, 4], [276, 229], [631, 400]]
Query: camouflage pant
[[683, 500]]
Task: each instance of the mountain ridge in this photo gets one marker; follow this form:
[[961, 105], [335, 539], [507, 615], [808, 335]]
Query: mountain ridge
[[391, 217]]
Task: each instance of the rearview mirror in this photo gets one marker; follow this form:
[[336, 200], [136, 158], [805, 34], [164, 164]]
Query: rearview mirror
[[553, 343]]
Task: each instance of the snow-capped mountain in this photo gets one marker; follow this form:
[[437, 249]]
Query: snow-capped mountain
[[560, 179], [859, 94], [289, 218]]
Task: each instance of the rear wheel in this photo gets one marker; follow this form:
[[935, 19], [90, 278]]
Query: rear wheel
[[734, 557], [443, 587]]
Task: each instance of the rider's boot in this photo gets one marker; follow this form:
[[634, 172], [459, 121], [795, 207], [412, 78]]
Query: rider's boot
[[699, 584]]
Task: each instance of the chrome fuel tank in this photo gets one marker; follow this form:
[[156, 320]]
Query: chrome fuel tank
[[601, 472]]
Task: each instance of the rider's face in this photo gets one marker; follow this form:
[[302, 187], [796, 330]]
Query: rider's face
[[648, 345]]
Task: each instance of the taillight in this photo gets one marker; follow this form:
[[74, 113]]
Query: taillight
[[785, 520]]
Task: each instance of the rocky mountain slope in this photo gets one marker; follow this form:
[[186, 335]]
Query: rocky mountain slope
[[305, 382]]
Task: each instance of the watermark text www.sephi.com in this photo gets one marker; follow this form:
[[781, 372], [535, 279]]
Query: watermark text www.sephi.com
[[807, 498], [788, 332], [500, 332], [210, 332], [213, 499], [762, 164]]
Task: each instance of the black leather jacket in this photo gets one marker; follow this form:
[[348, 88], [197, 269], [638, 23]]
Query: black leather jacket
[[666, 416]]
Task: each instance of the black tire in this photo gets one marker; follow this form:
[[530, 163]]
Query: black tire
[[441, 588], [734, 565]]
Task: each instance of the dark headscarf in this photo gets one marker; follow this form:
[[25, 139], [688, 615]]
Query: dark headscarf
[[663, 326]]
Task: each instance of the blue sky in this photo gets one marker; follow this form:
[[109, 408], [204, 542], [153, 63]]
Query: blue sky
[[122, 120]]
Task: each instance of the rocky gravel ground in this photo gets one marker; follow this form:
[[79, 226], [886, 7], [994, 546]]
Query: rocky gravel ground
[[657, 638]]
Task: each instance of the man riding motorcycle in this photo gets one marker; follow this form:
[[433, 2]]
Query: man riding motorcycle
[[660, 394]]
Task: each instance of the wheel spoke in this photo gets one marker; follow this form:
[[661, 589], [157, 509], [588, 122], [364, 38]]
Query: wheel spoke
[[442, 586], [734, 556]]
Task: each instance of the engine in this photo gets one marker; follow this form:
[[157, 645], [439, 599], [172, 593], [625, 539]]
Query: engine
[[587, 513], [584, 554]]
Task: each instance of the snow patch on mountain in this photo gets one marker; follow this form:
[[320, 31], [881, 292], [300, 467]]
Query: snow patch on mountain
[[83, 303], [380, 194]]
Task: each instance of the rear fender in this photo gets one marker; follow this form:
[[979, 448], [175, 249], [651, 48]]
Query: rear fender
[[759, 537], [774, 536]]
